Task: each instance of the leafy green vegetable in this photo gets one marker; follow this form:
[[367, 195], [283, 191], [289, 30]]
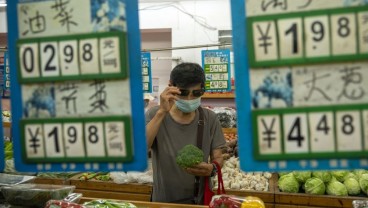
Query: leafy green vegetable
[[288, 183], [352, 185], [339, 174], [283, 173], [363, 182], [323, 175], [189, 156], [314, 186], [109, 204], [336, 188], [360, 172], [351, 175], [302, 176]]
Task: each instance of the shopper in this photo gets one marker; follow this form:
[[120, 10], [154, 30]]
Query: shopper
[[172, 125]]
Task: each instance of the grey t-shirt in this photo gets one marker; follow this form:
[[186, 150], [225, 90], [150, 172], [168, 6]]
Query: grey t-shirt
[[170, 182]]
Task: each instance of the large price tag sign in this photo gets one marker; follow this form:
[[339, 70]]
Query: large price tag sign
[[146, 72], [74, 74], [301, 82], [216, 65]]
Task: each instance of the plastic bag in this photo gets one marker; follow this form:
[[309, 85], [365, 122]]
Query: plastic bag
[[229, 201]]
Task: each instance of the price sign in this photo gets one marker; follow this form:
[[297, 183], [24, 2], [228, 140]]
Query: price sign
[[302, 101], [69, 71], [305, 37], [146, 72], [6, 76], [216, 65]]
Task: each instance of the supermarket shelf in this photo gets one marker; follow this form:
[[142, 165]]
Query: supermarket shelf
[[219, 95]]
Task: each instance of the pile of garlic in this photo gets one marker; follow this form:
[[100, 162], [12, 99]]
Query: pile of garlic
[[236, 179]]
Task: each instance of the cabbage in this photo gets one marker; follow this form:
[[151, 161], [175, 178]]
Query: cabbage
[[363, 182], [336, 188], [288, 183], [282, 173], [352, 185], [360, 172], [339, 174], [323, 175], [314, 186], [351, 175], [302, 176]]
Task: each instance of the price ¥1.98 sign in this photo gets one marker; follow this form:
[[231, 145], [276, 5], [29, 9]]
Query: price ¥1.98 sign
[[308, 37]]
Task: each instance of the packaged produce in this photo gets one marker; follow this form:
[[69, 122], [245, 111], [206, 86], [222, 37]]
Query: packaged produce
[[229, 201], [108, 204], [62, 204], [34, 195], [360, 204]]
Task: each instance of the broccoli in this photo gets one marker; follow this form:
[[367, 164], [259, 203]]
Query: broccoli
[[188, 156]]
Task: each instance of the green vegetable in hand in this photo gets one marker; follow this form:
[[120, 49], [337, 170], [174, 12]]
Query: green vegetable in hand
[[288, 183], [189, 156], [315, 186]]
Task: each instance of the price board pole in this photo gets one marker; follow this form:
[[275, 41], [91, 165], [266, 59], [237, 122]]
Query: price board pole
[[74, 75], [146, 72], [216, 66], [301, 82]]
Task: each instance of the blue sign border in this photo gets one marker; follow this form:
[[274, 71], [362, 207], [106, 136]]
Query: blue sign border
[[139, 139], [243, 103]]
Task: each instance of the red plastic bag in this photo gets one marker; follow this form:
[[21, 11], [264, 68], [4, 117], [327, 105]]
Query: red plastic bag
[[208, 193]]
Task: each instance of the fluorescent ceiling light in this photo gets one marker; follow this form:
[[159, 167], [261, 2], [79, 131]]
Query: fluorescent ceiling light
[[2, 4]]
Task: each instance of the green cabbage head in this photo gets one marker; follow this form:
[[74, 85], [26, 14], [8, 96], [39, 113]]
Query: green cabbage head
[[314, 186], [288, 183], [351, 175], [363, 182], [302, 176], [323, 175], [339, 174], [336, 188], [352, 185], [360, 172]]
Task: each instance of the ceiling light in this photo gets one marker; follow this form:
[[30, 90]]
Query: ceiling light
[[2, 4]]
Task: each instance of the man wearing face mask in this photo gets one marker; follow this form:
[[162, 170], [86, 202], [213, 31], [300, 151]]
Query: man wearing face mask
[[172, 125]]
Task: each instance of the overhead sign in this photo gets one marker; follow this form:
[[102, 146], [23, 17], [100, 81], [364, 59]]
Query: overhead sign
[[146, 72], [216, 65], [73, 77], [301, 82]]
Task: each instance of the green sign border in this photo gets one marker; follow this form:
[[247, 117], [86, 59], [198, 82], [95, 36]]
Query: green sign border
[[300, 156], [123, 58], [304, 59], [128, 139]]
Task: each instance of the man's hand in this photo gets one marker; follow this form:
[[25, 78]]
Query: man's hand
[[202, 169], [168, 98]]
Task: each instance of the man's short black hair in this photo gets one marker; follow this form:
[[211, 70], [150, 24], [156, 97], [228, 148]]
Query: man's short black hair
[[187, 74]]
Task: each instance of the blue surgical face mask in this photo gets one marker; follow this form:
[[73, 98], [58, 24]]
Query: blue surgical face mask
[[188, 106]]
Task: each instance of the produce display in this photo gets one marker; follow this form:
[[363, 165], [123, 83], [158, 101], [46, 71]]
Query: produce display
[[226, 116], [34, 195], [228, 201], [188, 156], [235, 179], [230, 149], [109, 204], [336, 183], [100, 176], [62, 204], [60, 175]]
